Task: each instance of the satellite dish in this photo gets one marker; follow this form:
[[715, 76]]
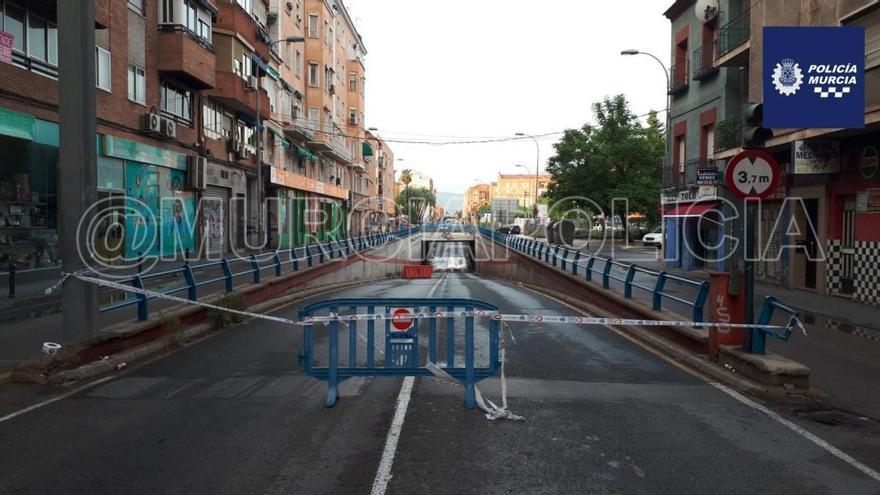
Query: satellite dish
[[706, 9]]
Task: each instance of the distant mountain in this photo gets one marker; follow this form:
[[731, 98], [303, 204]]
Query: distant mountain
[[451, 202]]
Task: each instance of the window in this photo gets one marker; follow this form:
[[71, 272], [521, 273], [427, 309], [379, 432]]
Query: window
[[137, 84], [14, 24], [245, 4], [137, 5], [204, 31], [352, 81], [102, 69], [244, 66], [191, 15], [245, 133], [168, 11], [314, 117], [36, 38], [314, 79], [176, 102], [313, 26], [217, 124], [298, 64]]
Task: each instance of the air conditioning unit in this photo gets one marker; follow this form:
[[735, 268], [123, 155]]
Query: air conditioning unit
[[352, 119], [244, 153], [197, 172], [251, 82], [235, 146], [168, 128], [150, 122]]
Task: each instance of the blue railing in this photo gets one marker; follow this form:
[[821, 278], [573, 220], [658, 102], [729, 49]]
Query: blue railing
[[397, 351], [254, 266], [757, 341], [604, 270]]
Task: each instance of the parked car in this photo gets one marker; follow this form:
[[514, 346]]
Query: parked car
[[654, 238], [508, 229]]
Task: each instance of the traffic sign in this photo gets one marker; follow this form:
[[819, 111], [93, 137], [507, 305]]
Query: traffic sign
[[401, 320], [752, 174]]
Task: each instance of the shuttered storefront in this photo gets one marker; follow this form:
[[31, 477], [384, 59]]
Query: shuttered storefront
[[770, 266], [215, 217]]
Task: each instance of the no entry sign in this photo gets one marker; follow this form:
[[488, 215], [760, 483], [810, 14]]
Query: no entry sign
[[752, 174], [401, 320]]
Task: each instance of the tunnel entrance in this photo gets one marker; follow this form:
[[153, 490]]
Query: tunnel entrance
[[449, 256]]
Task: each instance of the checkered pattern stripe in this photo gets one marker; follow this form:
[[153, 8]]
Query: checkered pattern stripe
[[867, 272], [831, 91], [834, 267], [860, 332]]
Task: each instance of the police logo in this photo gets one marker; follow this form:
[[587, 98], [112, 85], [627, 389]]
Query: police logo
[[787, 77]]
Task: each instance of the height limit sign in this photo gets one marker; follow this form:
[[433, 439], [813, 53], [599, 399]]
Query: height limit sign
[[752, 174]]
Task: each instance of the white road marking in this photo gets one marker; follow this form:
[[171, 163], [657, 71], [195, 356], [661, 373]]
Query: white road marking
[[54, 399], [831, 449], [383, 474]]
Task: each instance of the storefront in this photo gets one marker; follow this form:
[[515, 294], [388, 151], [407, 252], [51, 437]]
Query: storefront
[[693, 229], [303, 209], [28, 191], [221, 223], [853, 245]]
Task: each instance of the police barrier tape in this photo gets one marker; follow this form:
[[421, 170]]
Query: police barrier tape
[[793, 321]]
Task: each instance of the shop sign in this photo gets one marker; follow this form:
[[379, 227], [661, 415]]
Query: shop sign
[[143, 153], [702, 193], [291, 180], [707, 176], [816, 157], [868, 162], [872, 200], [814, 77], [6, 42], [18, 125]]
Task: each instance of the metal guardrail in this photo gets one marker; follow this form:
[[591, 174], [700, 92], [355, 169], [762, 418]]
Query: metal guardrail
[[254, 266], [757, 341], [600, 269], [399, 352]]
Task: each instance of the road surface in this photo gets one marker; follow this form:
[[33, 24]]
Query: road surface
[[234, 414]]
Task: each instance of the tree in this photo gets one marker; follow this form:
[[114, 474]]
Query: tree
[[415, 201], [617, 157]]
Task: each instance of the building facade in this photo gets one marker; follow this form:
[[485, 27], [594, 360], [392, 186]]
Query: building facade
[[182, 86], [476, 197], [818, 230], [521, 187]]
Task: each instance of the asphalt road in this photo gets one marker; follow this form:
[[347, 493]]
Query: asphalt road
[[234, 414]]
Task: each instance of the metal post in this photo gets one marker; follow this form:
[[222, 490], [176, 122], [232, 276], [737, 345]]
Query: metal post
[[260, 199], [749, 230], [76, 29], [12, 280]]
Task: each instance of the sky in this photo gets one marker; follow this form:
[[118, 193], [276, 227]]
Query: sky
[[476, 69]]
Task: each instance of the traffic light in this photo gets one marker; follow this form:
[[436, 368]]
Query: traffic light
[[754, 135]]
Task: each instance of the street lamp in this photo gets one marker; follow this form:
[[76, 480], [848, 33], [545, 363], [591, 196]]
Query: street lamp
[[537, 169], [261, 190], [665, 73]]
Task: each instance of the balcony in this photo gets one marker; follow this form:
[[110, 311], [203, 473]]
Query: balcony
[[331, 144], [230, 90], [732, 45], [703, 63], [186, 56], [728, 134], [679, 77], [301, 129], [233, 19]]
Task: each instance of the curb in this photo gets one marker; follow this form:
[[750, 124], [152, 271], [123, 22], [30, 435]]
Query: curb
[[682, 355], [178, 340]]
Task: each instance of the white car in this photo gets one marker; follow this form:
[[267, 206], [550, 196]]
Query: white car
[[654, 238]]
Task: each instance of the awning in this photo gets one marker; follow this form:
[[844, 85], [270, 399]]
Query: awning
[[366, 149], [284, 142], [264, 67], [305, 153], [691, 209]]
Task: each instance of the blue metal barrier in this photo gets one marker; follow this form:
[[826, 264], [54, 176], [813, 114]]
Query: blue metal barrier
[[611, 270], [757, 339], [227, 270], [400, 349]]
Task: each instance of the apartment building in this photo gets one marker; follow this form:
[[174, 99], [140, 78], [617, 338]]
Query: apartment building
[[833, 247], [476, 197], [181, 88], [521, 187], [384, 190]]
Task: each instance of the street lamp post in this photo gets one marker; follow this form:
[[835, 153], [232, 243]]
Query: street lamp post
[[537, 169], [668, 97], [261, 190]]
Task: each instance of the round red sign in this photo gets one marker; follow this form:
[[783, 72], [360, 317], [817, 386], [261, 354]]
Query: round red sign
[[401, 319], [752, 174]]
